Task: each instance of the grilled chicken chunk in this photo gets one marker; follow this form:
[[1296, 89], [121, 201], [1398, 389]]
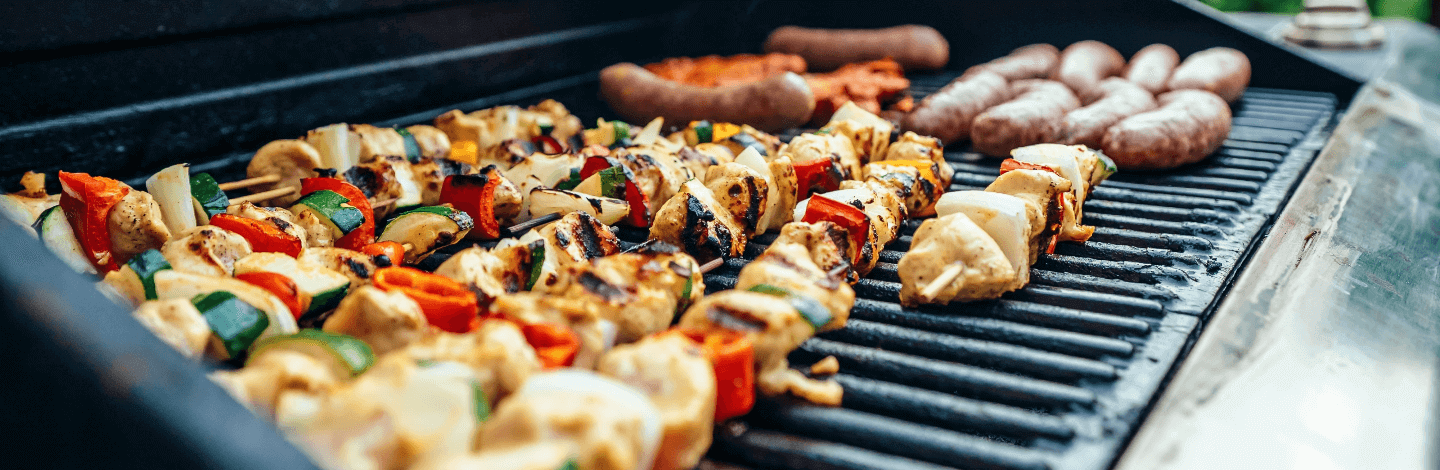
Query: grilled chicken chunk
[[695, 220], [952, 259], [396, 414], [135, 225], [384, 320], [280, 218], [638, 292], [575, 237], [784, 193], [434, 144], [268, 377], [869, 134], [912, 146], [496, 352], [673, 373], [697, 161], [378, 181], [827, 243], [1005, 219], [1043, 193], [774, 327], [658, 172], [207, 250], [881, 205], [596, 335], [353, 264], [490, 127], [177, 323], [741, 191], [919, 188], [607, 425], [491, 273], [789, 267], [289, 159], [1079, 164]]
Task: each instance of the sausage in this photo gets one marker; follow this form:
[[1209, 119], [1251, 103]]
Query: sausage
[[915, 47], [948, 113], [1121, 99], [1032, 61], [1033, 117], [1189, 125], [1084, 64], [1220, 70], [1151, 67], [774, 104]]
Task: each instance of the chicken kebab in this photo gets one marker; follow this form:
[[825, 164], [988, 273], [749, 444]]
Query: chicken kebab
[[982, 243]]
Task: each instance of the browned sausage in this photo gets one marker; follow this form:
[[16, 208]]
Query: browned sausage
[[1033, 117], [948, 113], [1032, 61], [915, 47], [1221, 70], [774, 104], [1151, 67], [1084, 64], [1189, 125], [1121, 99]]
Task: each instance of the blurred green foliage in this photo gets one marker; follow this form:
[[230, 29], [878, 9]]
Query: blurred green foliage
[[1418, 10]]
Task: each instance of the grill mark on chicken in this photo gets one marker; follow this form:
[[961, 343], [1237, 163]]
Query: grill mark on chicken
[[359, 268], [733, 319], [590, 241], [562, 239], [363, 178], [689, 154], [607, 291], [752, 212], [701, 234], [279, 223]]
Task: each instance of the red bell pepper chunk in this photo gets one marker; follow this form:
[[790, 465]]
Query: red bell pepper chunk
[[816, 176], [555, 345], [263, 237], [596, 163], [638, 201], [362, 235], [280, 285], [1011, 164], [446, 304], [732, 357], [87, 201], [548, 145], [851, 218], [475, 195], [392, 250]]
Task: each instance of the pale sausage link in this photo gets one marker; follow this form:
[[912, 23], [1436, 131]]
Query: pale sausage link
[[1189, 125]]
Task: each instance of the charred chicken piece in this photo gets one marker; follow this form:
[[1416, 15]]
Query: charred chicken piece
[[741, 191], [490, 127], [1043, 192], [176, 322], [491, 273], [836, 148], [639, 292], [135, 225], [496, 352], [913, 180], [278, 217], [952, 259], [695, 220], [775, 328], [912, 146], [673, 373], [869, 134], [828, 244], [353, 264], [207, 250], [789, 266], [1082, 166], [581, 316], [384, 320], [574, 238]]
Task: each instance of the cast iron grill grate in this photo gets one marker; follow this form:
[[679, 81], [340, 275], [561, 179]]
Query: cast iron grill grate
[[1056, 375]]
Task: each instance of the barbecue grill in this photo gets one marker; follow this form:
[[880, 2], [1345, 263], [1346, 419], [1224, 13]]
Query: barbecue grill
[[1057, 375]]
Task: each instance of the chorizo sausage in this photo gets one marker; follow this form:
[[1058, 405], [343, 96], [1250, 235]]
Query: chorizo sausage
[[1121, 99], [1189, 125], [1033, 117], [1221, 70], [1084, 64], [915, 47], [1151, 67], [774, 104], [948, 113], [1032, 61]]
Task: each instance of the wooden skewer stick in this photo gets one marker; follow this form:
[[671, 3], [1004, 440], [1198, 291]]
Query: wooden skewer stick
[[944, 279], [388, 202], [263, 196], [711, 265], [529, 224], [248, 182]]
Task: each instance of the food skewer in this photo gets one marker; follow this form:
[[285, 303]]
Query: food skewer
[[263, 196], [248, 182]]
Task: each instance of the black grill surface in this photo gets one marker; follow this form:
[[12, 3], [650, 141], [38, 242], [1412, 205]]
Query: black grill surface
[[1056, 375]]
